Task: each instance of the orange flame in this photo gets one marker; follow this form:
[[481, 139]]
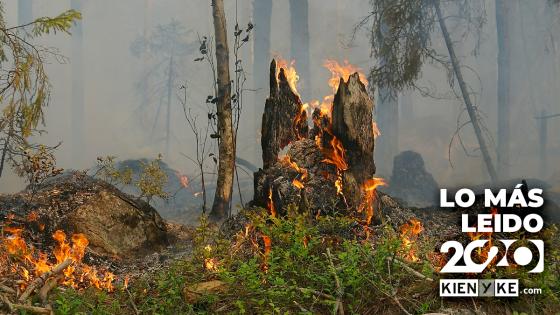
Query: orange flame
[[183, 179], [409, 235], [299, 183], [289, 71], [271, 207], [342, 71], [26, 257], [267, 247], [370, 189], [482, 253]]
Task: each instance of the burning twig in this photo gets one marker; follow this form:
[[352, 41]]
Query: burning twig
[[42, 278]]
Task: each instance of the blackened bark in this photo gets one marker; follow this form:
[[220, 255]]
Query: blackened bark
[[284, 119], [352, 124]]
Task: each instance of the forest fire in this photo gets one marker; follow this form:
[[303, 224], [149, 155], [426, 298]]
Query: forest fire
[[183, 179], [289, 71], [31, 264], [303, 174], [270, 205], [482, 252], [370, 188], [409, 235], [332, 148]]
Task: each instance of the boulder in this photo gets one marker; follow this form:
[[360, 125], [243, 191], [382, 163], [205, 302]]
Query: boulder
[[115, 223], [411, 182]]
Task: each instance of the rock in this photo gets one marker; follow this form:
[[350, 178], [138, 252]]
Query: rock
[[116, 224], [411, 182], [193, 293]]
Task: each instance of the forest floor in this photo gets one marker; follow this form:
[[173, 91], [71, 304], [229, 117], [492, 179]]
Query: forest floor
[[305, 264]]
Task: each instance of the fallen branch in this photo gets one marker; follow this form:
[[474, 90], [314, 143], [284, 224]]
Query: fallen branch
[[47, 287], [42, 278], [317, 293], [7, 289], [411, 270], [131, 299], [338, 306], [12, 307]]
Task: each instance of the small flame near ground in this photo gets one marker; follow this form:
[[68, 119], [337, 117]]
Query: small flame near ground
[[481, 254], [29, 263], [409, 235]]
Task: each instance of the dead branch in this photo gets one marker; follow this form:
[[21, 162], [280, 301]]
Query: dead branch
[[317, 293], [12, 307], [47, 287], [338, 306], [7, 289], [131, 299], [410, 269], [42, 278]]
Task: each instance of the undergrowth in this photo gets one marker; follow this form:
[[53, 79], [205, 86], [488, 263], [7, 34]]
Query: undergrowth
[[300, 265]]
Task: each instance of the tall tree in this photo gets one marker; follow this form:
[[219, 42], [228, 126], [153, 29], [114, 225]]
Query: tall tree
[[78, 108], [408, 46], [473, 115], [503, 18], [226, 145], [168, 43], [24, 85], [262, 14], [299, 44]]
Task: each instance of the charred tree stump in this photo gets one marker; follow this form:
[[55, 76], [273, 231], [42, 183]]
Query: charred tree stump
[[323, 170], [352, 123], [284, 119]]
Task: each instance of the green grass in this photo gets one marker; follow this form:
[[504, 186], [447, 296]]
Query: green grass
[[297, 276]]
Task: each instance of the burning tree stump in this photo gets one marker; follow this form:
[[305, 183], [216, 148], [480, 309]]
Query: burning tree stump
[[325, 170], [284, 119]]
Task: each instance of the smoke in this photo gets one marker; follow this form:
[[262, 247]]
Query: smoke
[[113, 126]]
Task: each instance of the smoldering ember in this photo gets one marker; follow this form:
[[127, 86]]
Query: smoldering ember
[[279, 157]]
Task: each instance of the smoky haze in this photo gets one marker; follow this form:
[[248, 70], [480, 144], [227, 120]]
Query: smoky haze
[[120, 116]]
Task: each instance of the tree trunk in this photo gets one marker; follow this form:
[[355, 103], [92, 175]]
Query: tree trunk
[[25, 11], [464, 92], [226, 146], [77, 124], [299, 23], [503, 8], [262, 14]]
